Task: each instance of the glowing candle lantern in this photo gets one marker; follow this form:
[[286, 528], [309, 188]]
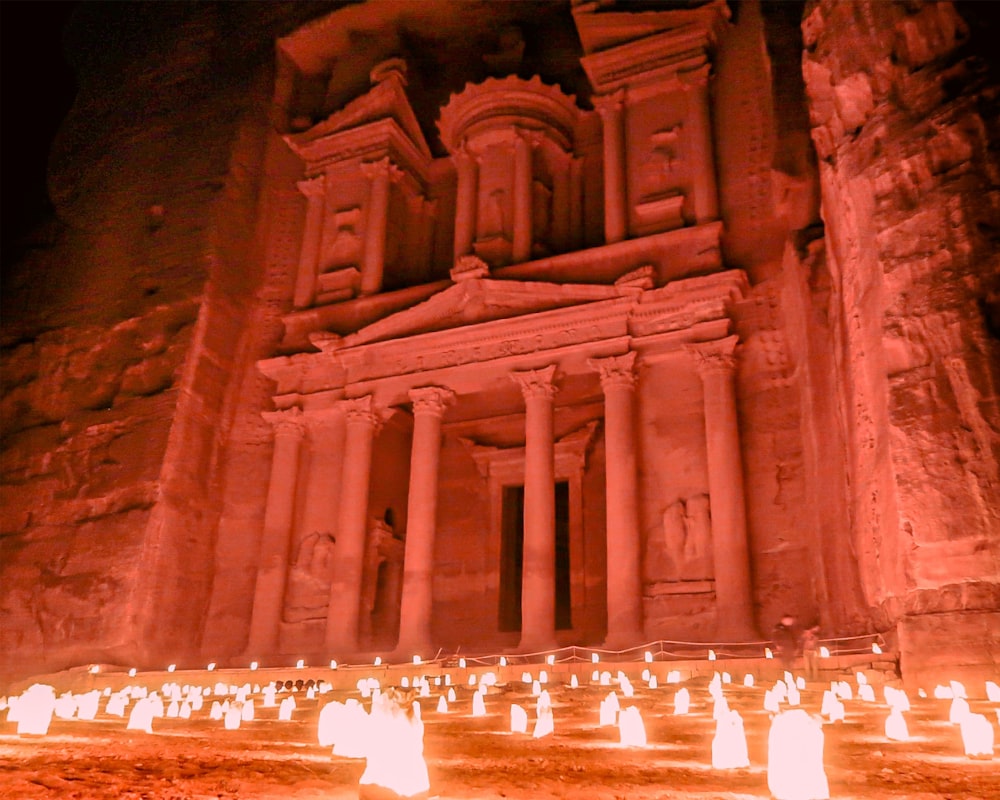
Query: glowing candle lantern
[[824, 651], [451, 695], [131, 672], [543, 676], [333, 664], [425, 689], [404, 682], [416, 659], [595, 676], [977, 735], [627, 689], [246, 711], [65, 706], [437, 681], [216, 712], [648, 657], [503, 661], [800, 683], [748, 681], [787, 678], [844, 690], [876, 649], [116, 705], [652, 682], [780, 691], [943, 692], [771, 702], [173, 709], [34, 710], [862, 678], [609, 710], [594, 658], [378, 661], [269, 693], [768, 653], [233, 717], [727, 678], [729, 745], [866, 693], [792, 696], [472, 679], [482, 689], [921, 693], [674, 676], [645, 675], [447, 679], [897, 698], [211, 666], [605, 678], [300, 663], [992, 692], [574, 682], [895, 726], [141, 718], [957, 689], [518, 719], [795, 758], [156, 703], [550, 659], [185, 712], [721, 708], [682, 702], [395, 752], [959, 709], [461, 663], [544, 721], [94, 669], [364, 687], [525, 677], [442, 706], [286, 708], [711, 655], [171, 668], [478, 705], [349, 729], [253, 665], [327, 725], [536, 688], [715, 686], [631, 729]]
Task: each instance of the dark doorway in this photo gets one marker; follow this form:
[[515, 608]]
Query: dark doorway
[[512, 558]]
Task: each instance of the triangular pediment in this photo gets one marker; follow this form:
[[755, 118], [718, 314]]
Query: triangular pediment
[[385, 100], [471, 302]]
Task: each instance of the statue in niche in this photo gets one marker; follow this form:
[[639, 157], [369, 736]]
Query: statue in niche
[[541, 213], [345, 247], [495, 218], [309, 578], [687, 532], [659, 172]]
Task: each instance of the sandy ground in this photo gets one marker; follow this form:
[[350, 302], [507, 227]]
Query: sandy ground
[[477, 757]]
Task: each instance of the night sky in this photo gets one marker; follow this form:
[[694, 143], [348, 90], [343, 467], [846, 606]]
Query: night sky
[[36, 91]]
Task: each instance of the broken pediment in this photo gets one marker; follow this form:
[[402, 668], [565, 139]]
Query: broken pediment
[[386, 100], [474, 301]]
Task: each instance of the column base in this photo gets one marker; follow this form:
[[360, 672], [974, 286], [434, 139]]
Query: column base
[[536, 645]]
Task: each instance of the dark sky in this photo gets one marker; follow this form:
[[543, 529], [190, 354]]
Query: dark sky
[[36, 91]]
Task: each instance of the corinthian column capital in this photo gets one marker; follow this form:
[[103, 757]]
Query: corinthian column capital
[[717, 356], [312, 187], [615, 370], [431, 400], [536, 382], [362, 411], [286, 422]]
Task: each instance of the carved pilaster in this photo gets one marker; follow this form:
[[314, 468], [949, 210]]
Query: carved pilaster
[[536, 382], [431, 400], [314, 190], [616, 371], [612, 110]]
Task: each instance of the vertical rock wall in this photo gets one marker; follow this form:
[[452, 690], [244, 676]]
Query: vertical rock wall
[[903, 112]]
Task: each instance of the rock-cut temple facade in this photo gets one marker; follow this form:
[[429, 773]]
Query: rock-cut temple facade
[[527, 325]]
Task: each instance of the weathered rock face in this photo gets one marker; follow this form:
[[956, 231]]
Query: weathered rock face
[[903, 114], [136, 463]]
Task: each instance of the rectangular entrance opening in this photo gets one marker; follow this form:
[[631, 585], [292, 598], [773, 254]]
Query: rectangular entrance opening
[[512, 558]]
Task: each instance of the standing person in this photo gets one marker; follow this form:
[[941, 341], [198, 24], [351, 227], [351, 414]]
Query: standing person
[[810, 652], [785, 638]]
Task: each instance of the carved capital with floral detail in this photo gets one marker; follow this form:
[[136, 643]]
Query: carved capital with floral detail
[[717, 356], [431, 400], [616, 370], [362, 411], [536, 382], [286, 422]]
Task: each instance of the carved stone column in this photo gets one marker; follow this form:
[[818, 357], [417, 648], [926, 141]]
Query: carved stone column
[[575, 204], [429, 404], [466, 200], [700, 147], [314, 190], [343, 612], [275, 543], [326, 458], [612, 110], [522, 199], [380, 173], [716, 365], [625, 611], [538, 597]]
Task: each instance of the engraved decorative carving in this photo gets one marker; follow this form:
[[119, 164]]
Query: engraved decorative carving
[[616, 370], [684, 553], [469, 266], [536, 382], [431, 400], [286, 422], [717, 356]]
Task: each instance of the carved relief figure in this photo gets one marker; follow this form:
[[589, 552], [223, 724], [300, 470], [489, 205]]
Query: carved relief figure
[[687, 539], [345, 247], [309, 578], [659, 172]]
